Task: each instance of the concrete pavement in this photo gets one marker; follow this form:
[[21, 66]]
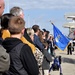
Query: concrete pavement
[[68, 63]]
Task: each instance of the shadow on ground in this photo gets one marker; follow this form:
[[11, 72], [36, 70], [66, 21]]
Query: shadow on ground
[[68, 60]]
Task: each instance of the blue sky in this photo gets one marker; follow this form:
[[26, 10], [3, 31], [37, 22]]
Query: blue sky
[[42, 11]]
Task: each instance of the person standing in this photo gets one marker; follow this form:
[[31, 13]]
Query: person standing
[[43, 48], [4, 25], [17, 11], [69, 51], [4, 56], [22, 59]]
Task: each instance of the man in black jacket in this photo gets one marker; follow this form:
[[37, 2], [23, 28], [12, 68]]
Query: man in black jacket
[[22, 59]]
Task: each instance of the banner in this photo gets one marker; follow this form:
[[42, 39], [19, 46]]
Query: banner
[[61, 41]]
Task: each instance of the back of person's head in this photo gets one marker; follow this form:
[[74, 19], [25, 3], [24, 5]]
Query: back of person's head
[[5, 19], [35, 28], [17, 11], [30, 32], [41, 35], [44, 30], [47, 34], [16, 25], [2, 6]]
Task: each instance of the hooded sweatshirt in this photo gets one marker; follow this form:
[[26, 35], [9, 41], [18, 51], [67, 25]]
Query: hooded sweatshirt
[[26, 58]]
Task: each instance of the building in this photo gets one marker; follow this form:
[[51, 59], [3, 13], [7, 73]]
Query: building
[[70, 17]]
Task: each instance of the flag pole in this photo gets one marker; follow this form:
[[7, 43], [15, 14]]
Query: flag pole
[[51, 22]]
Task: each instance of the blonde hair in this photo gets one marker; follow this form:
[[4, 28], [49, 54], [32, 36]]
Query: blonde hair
[[16, 24], [30, 31]]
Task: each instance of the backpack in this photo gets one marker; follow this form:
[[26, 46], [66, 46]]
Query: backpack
[[56, 63], [4, 60], [17, 49]]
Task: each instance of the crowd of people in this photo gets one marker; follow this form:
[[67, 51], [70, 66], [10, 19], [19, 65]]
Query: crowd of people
[[23, 51]]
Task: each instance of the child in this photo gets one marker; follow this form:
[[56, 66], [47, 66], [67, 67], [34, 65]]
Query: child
[[56, 64]]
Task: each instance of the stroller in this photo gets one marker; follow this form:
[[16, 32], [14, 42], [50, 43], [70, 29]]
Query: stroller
[[56, 65]]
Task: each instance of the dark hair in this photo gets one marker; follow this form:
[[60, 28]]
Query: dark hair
[[44, 30], [35, 28], [0, 33], [5, 19], [47, 33]]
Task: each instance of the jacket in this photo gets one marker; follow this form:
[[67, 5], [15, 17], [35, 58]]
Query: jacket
[[25, 62], [24, 40], [46, 60], [4, 60], [6, 34]]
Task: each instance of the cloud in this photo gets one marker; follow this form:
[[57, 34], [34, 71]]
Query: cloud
[[42, 4]]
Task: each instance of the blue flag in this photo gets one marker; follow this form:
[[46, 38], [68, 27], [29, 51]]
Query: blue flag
[[61, 41]]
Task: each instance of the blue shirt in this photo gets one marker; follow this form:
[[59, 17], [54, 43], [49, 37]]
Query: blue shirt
[[38, 43]]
